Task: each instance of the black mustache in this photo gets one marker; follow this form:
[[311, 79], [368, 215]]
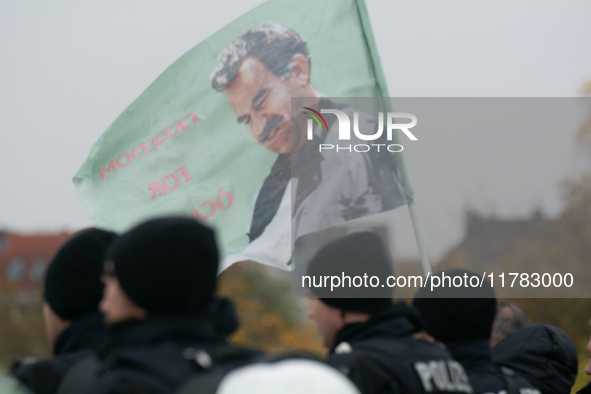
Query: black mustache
[[270, 126]]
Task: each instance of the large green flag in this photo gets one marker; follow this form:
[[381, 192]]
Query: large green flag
[[209, 139]]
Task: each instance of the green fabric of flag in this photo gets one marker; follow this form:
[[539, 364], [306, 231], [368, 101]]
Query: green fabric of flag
[[179, 149]]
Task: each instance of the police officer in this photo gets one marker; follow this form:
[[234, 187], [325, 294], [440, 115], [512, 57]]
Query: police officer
[[74, 325], [160, 279], [370, 339], [461, 317], [543, 354]]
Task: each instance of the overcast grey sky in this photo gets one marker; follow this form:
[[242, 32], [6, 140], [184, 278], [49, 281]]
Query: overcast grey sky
[[69, 68]]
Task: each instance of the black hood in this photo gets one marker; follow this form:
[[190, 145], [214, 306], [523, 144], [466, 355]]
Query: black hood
[[156, 330], [88, 332], [543, 354]]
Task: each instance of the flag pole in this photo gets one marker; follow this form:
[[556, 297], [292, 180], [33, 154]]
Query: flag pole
[[418, 236]]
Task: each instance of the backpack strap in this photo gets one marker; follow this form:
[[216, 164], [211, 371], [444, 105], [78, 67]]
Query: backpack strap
[[80, 376], [208, 369], [382, 379], [508, 376], [210, 374]]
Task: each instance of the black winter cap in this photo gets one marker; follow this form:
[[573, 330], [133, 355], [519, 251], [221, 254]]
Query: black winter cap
[[454, 313], [357, 254], [73, 286], [545, 355], [167, 265]]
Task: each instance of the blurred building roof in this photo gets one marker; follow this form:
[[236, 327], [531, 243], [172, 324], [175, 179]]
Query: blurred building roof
[[24, 259]]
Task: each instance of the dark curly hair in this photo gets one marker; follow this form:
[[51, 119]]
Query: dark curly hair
[[271, 43]]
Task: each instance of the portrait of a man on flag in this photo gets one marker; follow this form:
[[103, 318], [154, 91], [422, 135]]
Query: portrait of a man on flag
[[259, 73]]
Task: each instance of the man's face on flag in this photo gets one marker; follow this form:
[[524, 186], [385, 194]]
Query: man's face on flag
[[262, 100]]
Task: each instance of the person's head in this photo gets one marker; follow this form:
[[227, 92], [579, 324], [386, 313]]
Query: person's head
[[356, 257], [73, 287], [454, 313], [509, 319], [259, 73], [115, 304], [165, 266], [290, 376], [543, 354]]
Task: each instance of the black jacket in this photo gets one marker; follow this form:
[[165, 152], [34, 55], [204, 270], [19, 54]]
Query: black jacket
[[545, 355], [81, 339], [381, 357], [158, 354], [475, 356]]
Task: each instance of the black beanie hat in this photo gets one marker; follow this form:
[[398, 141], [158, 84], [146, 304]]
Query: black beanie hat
[[452, 313], [356, 254], [73, 286], [167, 265]]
